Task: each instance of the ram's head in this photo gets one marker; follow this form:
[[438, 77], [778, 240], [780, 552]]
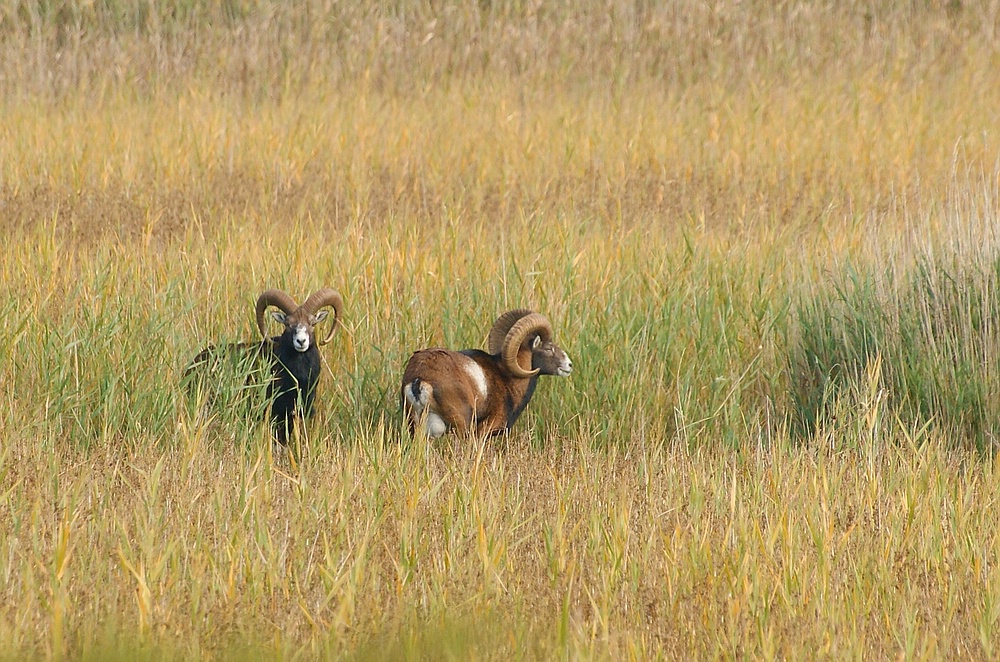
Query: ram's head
[[299, 321], [524, 338]]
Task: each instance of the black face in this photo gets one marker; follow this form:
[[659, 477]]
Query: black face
[[549, 359]]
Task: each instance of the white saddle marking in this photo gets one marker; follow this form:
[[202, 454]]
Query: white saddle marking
[[478, 376]]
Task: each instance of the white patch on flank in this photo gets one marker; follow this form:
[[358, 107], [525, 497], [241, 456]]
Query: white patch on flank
[[478, 376]]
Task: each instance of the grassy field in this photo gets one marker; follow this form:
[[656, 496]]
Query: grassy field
[[765, 233]]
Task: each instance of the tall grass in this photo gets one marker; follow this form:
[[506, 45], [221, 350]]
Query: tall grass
[[763, 232], [933, 333]]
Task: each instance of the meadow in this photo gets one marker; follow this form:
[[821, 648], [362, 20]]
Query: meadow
[[765, 233]]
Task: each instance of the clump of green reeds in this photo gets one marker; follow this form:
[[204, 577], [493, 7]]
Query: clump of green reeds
[[934, 328]]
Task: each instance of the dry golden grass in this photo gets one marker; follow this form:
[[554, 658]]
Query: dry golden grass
[[650, 550], [667, 183]]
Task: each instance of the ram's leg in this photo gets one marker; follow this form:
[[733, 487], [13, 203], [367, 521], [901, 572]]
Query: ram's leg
[[283, 416], [407, 410], [491, 425], [460, 418], [283, 426]]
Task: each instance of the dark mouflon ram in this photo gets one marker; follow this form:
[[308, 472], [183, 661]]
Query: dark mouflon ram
[[292, 358], [482, 392]]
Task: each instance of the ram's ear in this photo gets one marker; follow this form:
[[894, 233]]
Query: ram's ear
[[278, 316], [320, 316], [536, 342]]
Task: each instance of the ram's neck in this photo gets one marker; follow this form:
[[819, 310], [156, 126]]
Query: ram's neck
[[289, 354], [518, 396], [302, 368]]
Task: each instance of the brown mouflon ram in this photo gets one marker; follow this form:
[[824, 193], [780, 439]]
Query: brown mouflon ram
[[292, 358], [477, 391]]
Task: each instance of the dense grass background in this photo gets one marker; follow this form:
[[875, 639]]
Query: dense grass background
[[765, 232]]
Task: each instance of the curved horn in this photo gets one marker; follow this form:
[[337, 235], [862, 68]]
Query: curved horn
[[276, 298], [524, 327], [321, 299], [494, 343]]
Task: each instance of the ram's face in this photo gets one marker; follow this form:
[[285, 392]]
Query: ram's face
[[301, 334], [299, 328], [549, 359]]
